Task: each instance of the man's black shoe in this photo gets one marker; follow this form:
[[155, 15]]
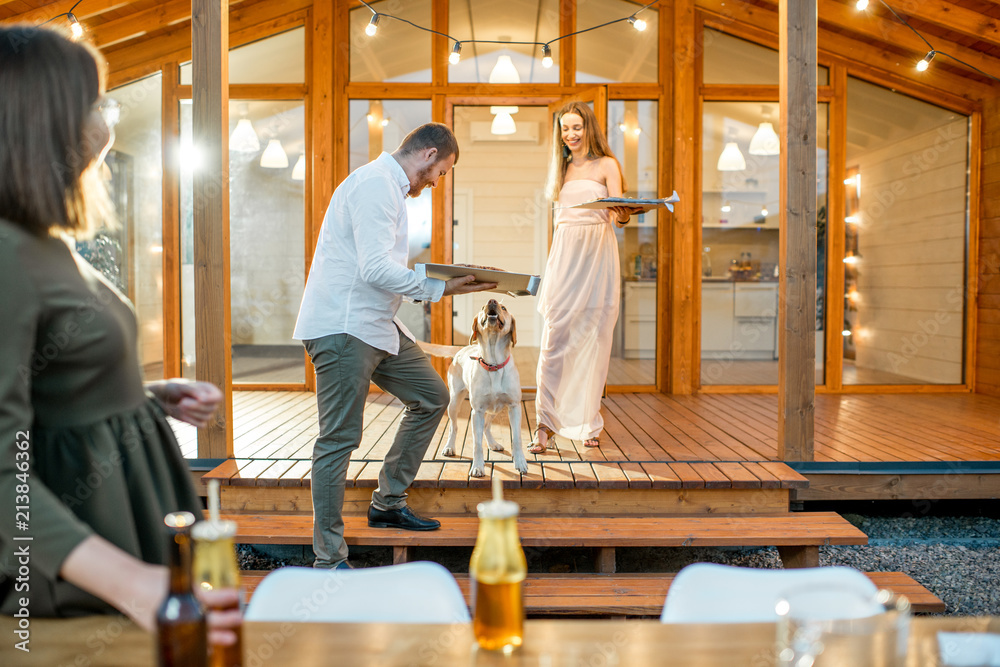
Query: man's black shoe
[[402, 517]]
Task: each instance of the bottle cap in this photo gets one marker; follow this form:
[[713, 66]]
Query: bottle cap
[[498, 508]]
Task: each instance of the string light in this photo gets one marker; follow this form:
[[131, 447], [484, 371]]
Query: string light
[[74, 26], [75, 29], [862, 5], [925, 63], [455, 55]]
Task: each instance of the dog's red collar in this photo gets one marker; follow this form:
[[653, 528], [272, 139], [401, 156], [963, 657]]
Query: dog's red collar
[[492, 367]]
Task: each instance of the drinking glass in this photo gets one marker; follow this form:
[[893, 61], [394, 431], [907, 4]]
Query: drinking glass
[[834, 627]]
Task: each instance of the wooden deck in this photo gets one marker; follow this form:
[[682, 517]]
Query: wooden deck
[[879, 446]]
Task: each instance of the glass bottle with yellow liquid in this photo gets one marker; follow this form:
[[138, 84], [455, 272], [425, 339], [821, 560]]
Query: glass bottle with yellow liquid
[[497, 571], [215, 568]]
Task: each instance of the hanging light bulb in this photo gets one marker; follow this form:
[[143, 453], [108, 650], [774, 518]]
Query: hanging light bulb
[[504, 71], [925, 63], [299, 170], [456, 54], [638, 24], [765, 140], [637, 130], [546, 56], [274, 156], [244, 139], [384, 122], [731, 159], [74, 26], [503, 124], [861, 4], [372, 26]]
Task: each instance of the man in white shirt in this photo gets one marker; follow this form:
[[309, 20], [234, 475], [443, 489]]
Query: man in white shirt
[[347, 322]]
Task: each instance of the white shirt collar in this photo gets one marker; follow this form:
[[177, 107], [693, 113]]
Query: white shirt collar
[[396, 170]]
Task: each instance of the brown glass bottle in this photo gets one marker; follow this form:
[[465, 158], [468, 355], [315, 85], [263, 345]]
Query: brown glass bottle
[[181, 628]]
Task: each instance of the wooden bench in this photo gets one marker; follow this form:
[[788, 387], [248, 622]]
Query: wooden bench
[[635, 594], [797, 536]]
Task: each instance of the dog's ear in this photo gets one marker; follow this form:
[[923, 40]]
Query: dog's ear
[[513, 331], [475, 330]]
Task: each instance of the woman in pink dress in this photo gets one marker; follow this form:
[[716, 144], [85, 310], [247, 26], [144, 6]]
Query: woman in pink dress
[[581, 285]]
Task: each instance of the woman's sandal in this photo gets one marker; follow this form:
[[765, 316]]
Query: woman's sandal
[[536, 447], [592, 442]]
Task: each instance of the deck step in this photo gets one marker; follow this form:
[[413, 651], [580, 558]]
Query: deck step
[[798, 535], [635, 594]]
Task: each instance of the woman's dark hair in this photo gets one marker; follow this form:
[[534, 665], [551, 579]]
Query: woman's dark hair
[[50, 85], [431, 135]]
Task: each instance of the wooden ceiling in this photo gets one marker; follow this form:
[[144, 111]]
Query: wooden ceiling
[[138, 36]]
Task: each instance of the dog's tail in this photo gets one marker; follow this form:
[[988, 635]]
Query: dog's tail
[[435, 350]]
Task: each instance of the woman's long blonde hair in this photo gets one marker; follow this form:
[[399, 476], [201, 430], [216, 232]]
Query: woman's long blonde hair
[[596, 142]]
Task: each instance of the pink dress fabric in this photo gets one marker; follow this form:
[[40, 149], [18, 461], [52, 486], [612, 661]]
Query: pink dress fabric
[[579, 300]]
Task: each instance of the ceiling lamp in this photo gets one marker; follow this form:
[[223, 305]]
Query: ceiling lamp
[[274, 156], [731, 159], [765, 140], [496, 110], [504, 71], [503, 124], [244, 138], [299, 170]]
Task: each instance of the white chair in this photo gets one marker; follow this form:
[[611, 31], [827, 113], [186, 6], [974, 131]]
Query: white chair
[[710, 593], [420, 592]]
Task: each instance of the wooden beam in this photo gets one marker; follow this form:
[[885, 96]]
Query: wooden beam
[[320, 60], [249, 22], [210, 194], [797, 238], [834, 368], [567, 47], [873, 60], [83, 12], [948, 15], [664, 237], [682, 312], [886, 29], [170, 123], [140, 23]]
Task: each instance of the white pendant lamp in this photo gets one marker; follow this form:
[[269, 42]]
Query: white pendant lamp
[[299, 170], [765, 139], [731, 159], [244, 138], [504, 71], [503, 124], [274, 156]]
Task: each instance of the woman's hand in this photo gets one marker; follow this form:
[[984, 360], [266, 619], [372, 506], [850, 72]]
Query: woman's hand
[[623, 214], [188, 401]]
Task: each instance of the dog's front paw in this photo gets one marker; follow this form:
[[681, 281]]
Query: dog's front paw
[[477, 471], [447, 451], [521, 466], [496, 446]]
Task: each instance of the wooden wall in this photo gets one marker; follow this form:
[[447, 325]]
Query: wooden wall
[[988, 296], [911, 241]]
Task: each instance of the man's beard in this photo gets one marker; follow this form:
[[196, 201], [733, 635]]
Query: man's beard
[[423, 180]]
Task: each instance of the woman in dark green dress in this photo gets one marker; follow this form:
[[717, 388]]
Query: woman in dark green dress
[[88, 464]]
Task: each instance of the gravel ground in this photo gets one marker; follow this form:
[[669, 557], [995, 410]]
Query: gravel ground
[[955, 557]]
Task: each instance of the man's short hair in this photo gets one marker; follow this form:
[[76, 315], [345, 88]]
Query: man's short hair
[[431, 135]]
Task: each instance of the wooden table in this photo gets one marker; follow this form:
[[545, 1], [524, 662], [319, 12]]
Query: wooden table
[[116, 642]]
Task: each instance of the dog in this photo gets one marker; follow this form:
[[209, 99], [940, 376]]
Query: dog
[[485, 372]]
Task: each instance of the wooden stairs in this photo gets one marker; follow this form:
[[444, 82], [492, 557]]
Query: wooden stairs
[[604, 505]]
